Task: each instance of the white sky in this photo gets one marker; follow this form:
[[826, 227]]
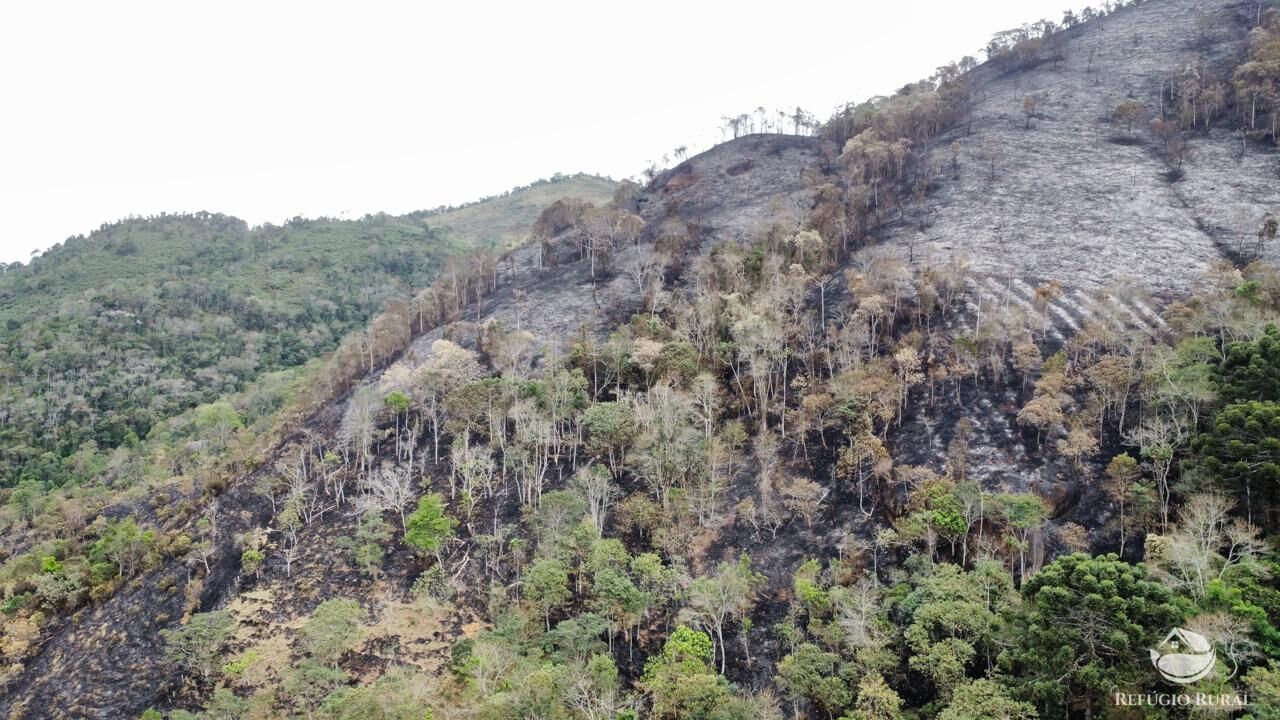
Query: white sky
[[267, 110]]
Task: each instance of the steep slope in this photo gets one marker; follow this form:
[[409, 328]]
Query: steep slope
[[726, 194], [1075, 196], [111, 341]]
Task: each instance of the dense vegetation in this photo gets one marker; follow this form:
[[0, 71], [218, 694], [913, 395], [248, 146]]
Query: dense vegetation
[[157, 316], [705, 513]]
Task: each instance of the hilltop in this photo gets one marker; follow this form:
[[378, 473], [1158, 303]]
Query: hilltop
[[286, 265], [503, 222]]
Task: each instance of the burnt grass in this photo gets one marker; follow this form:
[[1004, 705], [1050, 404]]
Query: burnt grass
[[107, 659], [1072, 199]]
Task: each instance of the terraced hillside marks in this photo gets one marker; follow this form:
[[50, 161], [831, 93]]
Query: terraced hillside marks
[[1059, 312]]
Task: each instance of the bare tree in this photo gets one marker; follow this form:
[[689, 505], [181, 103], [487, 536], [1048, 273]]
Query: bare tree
[[390, 487], [596, 487], [287, 524], [715, 600], [591, 688], [449, 366], [1130, 112], [1159, 437], [1208, 545], [645, 268], [990, 153], [803, 497], [358, 424], [210, 532]]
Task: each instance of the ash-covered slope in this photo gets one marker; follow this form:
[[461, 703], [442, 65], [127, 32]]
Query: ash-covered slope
[[1078, 197], [736, 189], [726, 194]]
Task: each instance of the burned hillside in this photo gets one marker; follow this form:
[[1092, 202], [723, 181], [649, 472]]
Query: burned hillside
[[867, 424]]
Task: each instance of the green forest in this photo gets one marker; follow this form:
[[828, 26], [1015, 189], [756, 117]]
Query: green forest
[[108, 336]]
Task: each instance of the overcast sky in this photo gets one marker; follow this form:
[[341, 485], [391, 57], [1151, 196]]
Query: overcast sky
[[267, 110]]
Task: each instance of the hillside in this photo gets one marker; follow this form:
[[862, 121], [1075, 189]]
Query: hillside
[[1042, 196], [503, 222], [107, 335], [952, 411]]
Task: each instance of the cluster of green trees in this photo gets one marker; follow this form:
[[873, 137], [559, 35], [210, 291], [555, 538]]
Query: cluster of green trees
[[106, 336], [313, 686]]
